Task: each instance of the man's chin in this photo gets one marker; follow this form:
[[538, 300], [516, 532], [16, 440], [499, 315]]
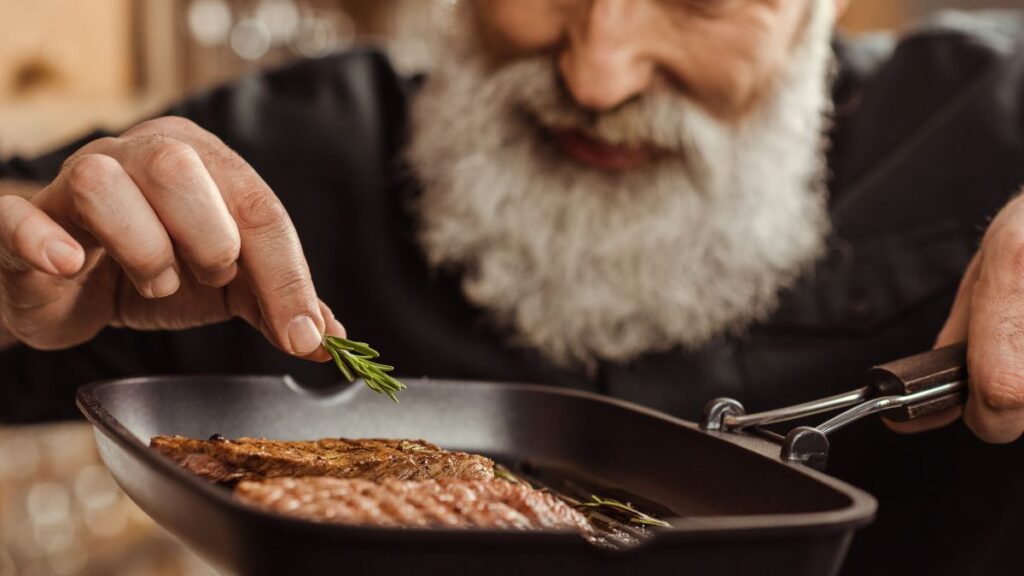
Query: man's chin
[[603, 156]]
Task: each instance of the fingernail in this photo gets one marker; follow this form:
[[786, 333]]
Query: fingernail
[[64, 257], [165, 284], [303, 335]]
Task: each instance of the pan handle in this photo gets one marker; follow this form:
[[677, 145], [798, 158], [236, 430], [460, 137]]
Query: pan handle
[[925, 371]]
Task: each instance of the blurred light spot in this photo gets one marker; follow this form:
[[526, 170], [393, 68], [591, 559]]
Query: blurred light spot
[[48, 503], [95, 488], [281, 17], [250, 39], [52, 539], [345, 28], [109, 521], [19, 457], [68, 560], [209, 21], [67, 447], [321, 35]]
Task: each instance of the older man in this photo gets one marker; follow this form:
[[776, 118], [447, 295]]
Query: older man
[[663, 201]]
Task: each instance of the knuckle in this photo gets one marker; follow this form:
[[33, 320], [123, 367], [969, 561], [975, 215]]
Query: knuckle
[[222, 255], [291, 281], [91, 174], [10, 203], [105, 143], [225, 158], [170, 160], [180, 124], [1001, 392], [1011, 246], [168, 125], [96, 146], [148, 257], [256, 207]]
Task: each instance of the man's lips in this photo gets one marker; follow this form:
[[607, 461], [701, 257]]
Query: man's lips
[[587, 150]]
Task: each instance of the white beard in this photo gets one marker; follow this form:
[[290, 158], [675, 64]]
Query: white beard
[[589, 265]]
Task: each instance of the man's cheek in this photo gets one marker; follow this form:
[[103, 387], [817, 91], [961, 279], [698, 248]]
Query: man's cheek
[[728, 87], [757, 47], [728, 68]]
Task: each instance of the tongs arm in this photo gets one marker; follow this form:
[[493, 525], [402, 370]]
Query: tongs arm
[[735, 421], [926, 401], [905, 389]]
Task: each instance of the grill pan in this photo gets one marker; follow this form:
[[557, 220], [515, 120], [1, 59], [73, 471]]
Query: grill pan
[[738, 507]]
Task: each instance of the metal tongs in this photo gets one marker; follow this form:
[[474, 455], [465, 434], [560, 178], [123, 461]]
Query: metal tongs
[[904, 389]]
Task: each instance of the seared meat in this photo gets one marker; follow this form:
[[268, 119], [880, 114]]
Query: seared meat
[[230, 461], [444, 503], [401, 483]]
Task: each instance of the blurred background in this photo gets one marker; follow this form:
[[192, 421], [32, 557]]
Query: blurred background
[[67, 66]]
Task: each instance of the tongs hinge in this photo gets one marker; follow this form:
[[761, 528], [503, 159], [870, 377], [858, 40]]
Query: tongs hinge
[[906, 389]]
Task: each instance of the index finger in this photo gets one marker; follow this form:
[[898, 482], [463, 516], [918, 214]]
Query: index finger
[[271, 254]]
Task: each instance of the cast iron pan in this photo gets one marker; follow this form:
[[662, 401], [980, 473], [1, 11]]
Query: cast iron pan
[[738, 508]]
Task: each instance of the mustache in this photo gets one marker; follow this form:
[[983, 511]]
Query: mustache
[[661, 119]]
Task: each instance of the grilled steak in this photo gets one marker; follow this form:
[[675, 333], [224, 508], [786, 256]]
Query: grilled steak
[[230, 461], [444, 503]]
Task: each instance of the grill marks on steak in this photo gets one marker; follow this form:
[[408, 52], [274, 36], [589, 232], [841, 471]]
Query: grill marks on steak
[[371, 482], [231, 461], [442, 503]]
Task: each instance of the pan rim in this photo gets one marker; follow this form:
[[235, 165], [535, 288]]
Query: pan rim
[[859, 512]]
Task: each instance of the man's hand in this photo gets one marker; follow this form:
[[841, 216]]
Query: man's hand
[[164, 227], [989, 313]]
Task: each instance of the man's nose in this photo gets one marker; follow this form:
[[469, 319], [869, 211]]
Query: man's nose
[[603, 63]]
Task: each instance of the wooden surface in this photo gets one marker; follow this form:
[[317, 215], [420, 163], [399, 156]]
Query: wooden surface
[[66, 66]]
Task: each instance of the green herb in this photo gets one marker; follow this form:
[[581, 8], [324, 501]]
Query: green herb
[[635, 516], [505, 474], [357, 358]]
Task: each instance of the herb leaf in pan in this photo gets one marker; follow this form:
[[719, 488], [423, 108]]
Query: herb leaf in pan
[[628, 511], [357, 358]]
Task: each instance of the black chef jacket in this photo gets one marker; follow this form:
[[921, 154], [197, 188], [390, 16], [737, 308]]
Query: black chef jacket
[[927, 145]]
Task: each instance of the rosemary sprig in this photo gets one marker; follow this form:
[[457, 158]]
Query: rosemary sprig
[[505, 474], [635, 516], [353, 358]]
